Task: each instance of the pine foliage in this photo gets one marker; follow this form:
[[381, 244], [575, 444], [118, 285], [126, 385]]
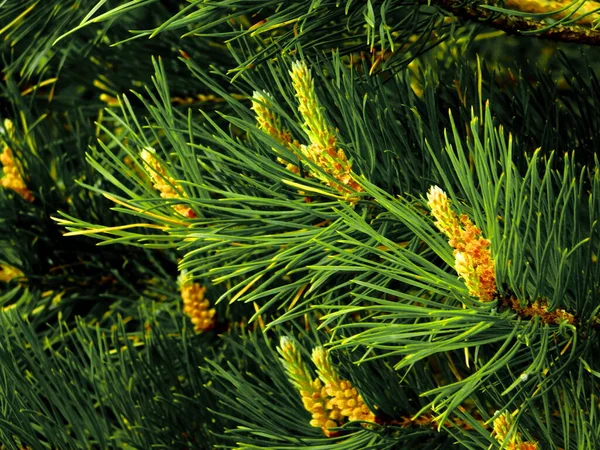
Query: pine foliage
[[324, 224]]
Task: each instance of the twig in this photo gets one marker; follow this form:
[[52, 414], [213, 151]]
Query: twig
[[518, 25]]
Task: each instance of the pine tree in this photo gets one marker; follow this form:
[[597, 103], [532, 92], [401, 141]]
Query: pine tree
[[266, 224]]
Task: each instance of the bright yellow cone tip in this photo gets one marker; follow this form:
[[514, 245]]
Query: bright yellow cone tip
[[270, 123], [322, 150], [309, 107], [165, 184], [11, 168], [502, 425], [344, 397], [267, 120], [473, 261], [312, 392], [197, 307]]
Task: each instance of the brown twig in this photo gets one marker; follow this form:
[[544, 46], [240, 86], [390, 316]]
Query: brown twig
[[518, 25], [539, 308]]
